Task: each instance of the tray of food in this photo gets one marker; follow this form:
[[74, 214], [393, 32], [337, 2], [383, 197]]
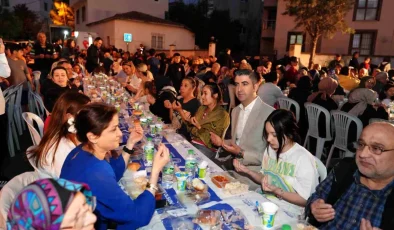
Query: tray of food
[[221, 179], [208, 217]]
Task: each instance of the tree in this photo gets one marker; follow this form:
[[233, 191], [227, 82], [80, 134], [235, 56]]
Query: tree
[[10, 25], [62, 14], [31, 22], [319, 18]]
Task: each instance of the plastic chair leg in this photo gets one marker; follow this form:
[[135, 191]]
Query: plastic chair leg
[[329, 156], [15, 135], [17, 122], [319, 147], [306, 143], [10, 142]]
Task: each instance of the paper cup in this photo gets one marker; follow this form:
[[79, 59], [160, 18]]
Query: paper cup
[[159, 127], [181, 181], [269, 212]]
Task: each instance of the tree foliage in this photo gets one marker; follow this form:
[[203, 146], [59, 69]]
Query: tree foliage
[[62, 14], [320, 18], [12, 26], [31, 22], [218, 24]]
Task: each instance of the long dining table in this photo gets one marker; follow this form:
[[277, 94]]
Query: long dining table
[[178, 210]]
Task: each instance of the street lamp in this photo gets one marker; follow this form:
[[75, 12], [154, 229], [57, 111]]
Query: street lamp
[[65, 34], [76, 33]]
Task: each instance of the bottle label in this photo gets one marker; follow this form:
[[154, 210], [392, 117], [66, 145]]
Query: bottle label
[[168, 170], [149, 153]]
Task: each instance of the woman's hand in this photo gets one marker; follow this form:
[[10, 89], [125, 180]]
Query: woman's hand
[[240, 167], [176, 106], [161, 158], [267, 187], [194, 122], [187, 115], [167, 104], [136, 135]]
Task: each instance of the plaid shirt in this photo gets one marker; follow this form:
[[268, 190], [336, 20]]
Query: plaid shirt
[[356, 203]]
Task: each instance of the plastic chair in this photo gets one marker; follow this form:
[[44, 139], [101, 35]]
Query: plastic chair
[[9, 90], [321, 169], [286, 103], [20, 125], [313, 112], [220, 148], [35, 135], [36, 79], [373, 120], [231, 92], [342, 121], [39, 106], [12, 140]]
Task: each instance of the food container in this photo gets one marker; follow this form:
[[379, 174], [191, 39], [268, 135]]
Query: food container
[[208, 217], [221, 179]]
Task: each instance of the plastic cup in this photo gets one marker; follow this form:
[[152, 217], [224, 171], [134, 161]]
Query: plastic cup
[[152, 130], [181, 181], [202, 170], [159, 127], [269, 212], [136, 105]]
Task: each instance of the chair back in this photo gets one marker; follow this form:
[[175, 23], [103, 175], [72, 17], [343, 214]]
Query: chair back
[[231, 93], [342, 121], [321, 169], [9, 90], [313, 112], [41, 111], [12, 189], [287, 103], [35, 135]]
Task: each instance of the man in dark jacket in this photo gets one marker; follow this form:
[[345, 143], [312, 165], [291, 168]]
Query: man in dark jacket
[[93, 56], [359, 194], [176, 72], [42, 53], [226, 59], [354, 61]]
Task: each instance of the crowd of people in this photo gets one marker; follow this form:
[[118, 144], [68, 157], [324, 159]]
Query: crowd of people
[[227, 110]]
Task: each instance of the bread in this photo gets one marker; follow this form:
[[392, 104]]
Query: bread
[[134, 166], [198, 185], [137, 112]]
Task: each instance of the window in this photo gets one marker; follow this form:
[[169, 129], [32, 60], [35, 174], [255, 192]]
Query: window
[[5, 3], [367, 10], [77, 16], [295, 38], [157, 41], [45, 6], [83, 14], [363, 42]]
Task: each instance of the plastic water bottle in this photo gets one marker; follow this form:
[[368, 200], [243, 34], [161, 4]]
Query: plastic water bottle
[[149, 150], [168, 175], [190, 167]]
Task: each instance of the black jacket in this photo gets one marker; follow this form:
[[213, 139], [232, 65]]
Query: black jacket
[[92, 59]]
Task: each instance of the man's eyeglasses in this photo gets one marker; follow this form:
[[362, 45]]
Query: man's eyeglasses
[[375, 149]]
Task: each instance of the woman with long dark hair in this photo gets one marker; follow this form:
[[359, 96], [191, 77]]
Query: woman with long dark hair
[[68, 51], [97, 127], [288, 170], [59, 137]]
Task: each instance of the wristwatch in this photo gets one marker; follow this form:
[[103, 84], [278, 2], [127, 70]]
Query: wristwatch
[[129, 151], [152, 188], [240, 154]]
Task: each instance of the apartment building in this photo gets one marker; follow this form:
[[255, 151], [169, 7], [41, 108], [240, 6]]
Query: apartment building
[[372, 21]]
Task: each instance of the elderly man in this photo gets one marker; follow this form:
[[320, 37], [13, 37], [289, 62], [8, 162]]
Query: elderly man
[[359, 194]]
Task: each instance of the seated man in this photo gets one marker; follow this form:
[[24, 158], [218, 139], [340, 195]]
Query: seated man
[[359, 194], [247, 125]]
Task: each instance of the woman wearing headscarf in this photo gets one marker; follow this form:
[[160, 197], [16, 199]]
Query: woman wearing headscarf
[[52, 204], [327, 87], [300, 94], [381, 80], [361, 104]]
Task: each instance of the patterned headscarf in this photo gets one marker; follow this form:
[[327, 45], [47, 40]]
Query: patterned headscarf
[[42, 204]]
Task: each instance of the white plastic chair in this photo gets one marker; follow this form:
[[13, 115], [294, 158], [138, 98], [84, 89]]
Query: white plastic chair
[[9, 90], [220, 148], [342, 122], [12, 140], [373, 120], [35, 135], [39, 106], [313, 112], [20, 125], [286, 103], [321, 169], [12, 189], [231, 92]]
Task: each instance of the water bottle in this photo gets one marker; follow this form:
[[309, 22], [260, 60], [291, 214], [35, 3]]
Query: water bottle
[[168, 175], [149, 149], [190, 167]]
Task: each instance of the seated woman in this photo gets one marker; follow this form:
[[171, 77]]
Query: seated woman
[[97, 126], [184, 108], [59, 137], [164, 98], [387, 94], [55, 87], [145, 75], [361, 104], [210, 117], [270, 92], [288, 169], [77, 212]]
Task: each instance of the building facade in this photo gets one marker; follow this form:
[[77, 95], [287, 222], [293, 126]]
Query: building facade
[[41, 7], [88, 11], [145, 29], [372, 21]]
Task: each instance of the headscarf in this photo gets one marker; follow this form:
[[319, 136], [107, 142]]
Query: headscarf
[[381, 76], [327, 86], [43, 203], [362, 97]]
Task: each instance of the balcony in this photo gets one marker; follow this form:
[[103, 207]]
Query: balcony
[[270, 3], [268, 28]]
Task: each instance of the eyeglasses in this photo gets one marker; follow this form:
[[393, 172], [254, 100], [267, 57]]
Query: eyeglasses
[[377, 150]]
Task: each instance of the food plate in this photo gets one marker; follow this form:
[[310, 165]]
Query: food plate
[[221, 179]]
